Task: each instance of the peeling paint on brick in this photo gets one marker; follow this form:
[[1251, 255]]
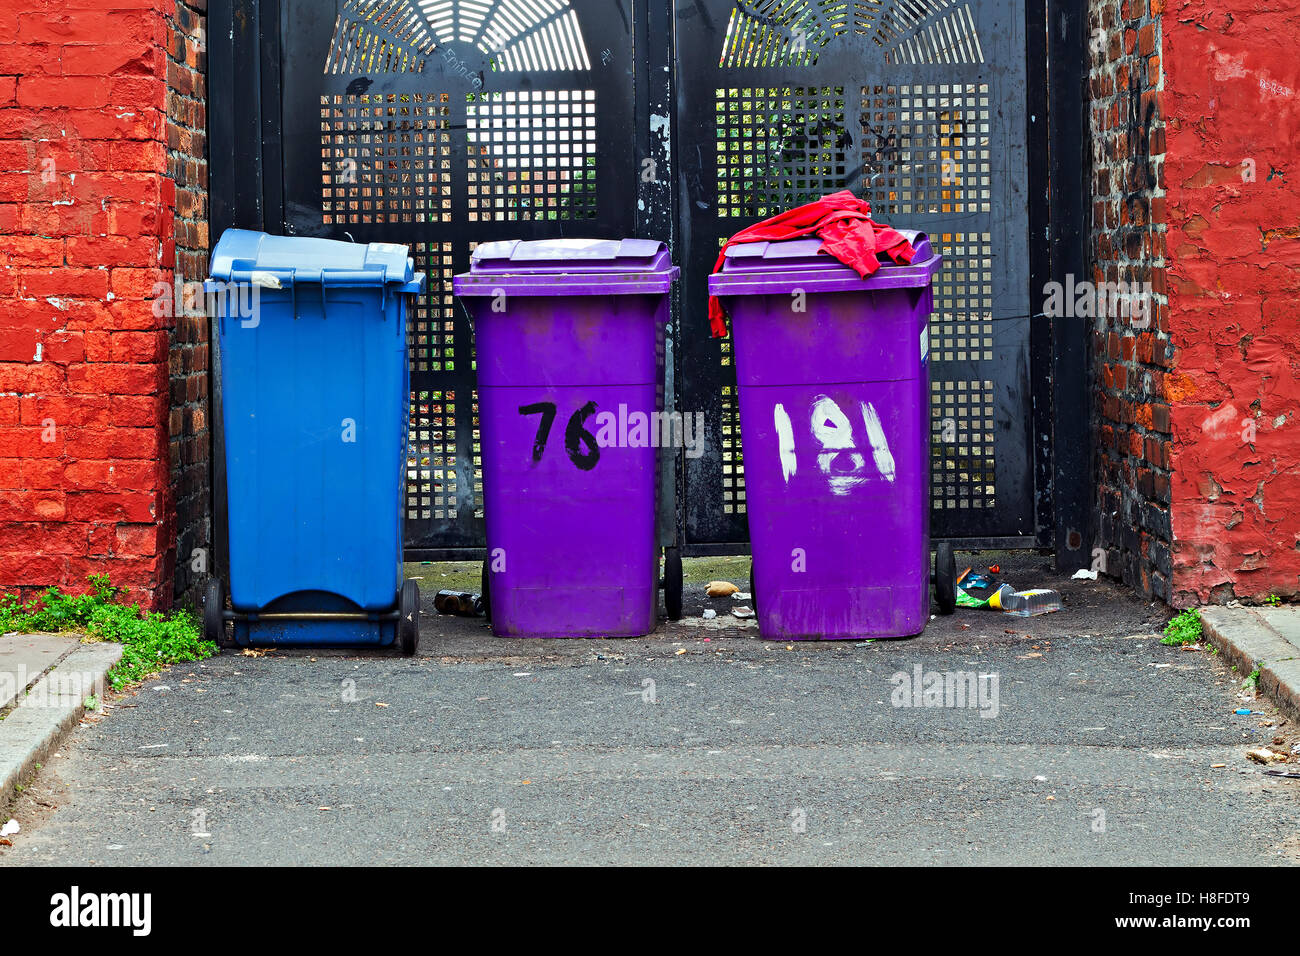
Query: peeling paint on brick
[[1194, 118], [1234, 119], [89, 206]]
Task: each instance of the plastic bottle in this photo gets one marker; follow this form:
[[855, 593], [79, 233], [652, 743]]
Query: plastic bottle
[[1029, 603]]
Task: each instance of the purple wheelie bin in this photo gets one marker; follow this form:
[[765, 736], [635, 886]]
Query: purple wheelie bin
[[834, 392], [569, 343]]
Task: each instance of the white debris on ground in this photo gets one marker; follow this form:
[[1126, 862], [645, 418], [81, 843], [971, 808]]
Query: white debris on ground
[[718, 623], [1264, 755]]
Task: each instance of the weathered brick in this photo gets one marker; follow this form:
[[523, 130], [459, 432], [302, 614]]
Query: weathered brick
[[46, 283], [1129, 216], [92, 219]]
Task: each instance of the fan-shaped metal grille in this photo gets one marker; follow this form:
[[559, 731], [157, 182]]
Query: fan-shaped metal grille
[[398, 36], [768, 33]]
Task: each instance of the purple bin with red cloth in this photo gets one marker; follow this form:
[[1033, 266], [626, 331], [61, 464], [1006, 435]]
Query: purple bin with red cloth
[[569, 340], [834, 392]]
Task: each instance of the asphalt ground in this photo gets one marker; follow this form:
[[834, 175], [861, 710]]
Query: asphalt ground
[[696, 745]]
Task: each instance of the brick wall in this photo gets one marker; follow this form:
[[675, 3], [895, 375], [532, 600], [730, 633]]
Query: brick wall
[[1131, 347], [1233, 99], [1195, 112], [88, 212], [1195, 117], [188, 434]]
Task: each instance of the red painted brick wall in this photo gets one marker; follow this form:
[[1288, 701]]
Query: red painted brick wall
[[1198, 453], [1232, 78], [87, 214]]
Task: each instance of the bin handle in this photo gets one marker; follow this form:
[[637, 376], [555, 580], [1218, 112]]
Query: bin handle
[[266, 278], [363, 277], [270, 279], [278, 278]]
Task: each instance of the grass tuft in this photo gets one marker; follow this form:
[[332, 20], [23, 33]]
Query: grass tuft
[[150, 641], [1184, 629]]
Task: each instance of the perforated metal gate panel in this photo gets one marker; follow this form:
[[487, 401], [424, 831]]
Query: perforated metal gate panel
[[443, 124], [920, 107]]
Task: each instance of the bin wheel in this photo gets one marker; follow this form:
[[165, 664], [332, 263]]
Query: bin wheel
[[486, 596], [753, 592], [214, 603], [408, 619], [945, 577], [673, 583]]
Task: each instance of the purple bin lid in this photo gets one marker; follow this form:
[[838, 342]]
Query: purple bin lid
[[568, 267], [795, 252], [759, 268]]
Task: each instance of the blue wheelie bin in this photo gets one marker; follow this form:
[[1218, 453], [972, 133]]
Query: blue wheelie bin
[[315, 392]]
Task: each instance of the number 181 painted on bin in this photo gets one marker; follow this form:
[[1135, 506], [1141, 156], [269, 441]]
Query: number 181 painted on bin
[[834, 432]]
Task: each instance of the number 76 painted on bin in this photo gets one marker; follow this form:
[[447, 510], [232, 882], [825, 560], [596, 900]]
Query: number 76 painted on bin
[[834, 433]]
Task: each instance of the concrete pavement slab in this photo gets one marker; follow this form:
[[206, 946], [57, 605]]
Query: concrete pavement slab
[[1264, 638], [49, 709], [25, 657]]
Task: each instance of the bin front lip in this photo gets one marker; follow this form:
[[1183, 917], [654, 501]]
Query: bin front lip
[[564, 283], [327, 279], [834, 276]]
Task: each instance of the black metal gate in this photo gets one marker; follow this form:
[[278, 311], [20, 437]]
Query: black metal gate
[[445, 123], [920, 107]]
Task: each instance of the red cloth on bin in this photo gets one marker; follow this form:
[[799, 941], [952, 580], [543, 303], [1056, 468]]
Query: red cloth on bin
[[841, 220]]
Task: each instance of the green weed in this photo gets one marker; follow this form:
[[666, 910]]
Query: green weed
[[1184, 629], [150, 641]]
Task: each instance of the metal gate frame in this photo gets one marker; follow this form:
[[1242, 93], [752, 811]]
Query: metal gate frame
[[272, 187], [781, 78], [245, 104]]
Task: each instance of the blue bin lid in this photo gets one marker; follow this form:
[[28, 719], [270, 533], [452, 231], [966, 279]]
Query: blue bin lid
[[243, 255], [568, 267]]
